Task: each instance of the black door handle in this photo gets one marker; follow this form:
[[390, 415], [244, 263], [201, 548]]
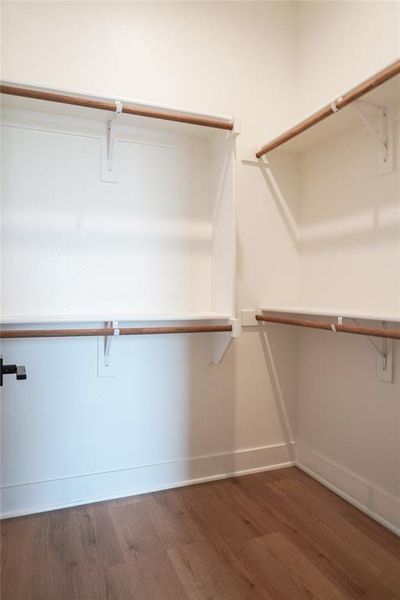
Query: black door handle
[[18, 370]]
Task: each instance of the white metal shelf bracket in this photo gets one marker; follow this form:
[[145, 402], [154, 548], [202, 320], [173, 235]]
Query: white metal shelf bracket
[[383, 135], [111, 134], [108, 340], [236, 129], [384, 351], [222, 341], [108, 166], [105, 367], [236, 126]]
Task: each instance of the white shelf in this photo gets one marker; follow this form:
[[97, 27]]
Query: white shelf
[[392, 316], [94, 114], [345, 120], [154, 237], [33, 319]]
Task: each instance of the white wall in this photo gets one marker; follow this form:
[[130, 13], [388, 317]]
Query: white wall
[[69, 436], [269, 63], [340, 43], [348, 427]]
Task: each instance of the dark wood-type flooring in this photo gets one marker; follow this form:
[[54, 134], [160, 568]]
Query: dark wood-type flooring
[[271, 536]]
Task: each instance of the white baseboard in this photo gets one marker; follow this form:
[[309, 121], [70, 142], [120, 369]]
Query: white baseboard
[[377, 503], [51, 494]]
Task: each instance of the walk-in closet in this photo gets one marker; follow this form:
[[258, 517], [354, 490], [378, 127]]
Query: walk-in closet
[[200, 300]]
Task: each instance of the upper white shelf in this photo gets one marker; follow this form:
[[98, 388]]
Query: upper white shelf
[[128, 318], [314, 129], [149, 238], [392, 316], [67, 103]]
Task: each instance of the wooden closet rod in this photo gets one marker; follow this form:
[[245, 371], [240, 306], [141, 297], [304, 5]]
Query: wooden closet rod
[[45, 333], [104, 104], [354, 94], [357, 329]]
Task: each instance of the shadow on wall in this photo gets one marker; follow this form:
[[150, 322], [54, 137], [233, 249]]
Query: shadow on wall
[[283, 194], [166, 418], [210, 433], [342, 216], [332, 196], [283, 383]]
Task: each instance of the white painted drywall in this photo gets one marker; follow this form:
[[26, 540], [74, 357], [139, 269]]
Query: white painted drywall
[[167, 416], [74, 244], [340, 43], [348, 426], [270, 63]]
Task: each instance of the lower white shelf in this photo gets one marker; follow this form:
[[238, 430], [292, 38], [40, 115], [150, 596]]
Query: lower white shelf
[[128, 318]]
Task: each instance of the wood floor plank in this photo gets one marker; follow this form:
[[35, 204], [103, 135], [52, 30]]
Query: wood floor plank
[[205, 577], [268, 573], [242, 504], [150, 569], [123, 582], [280, 568], [320, 490], [97, 536], [328, 517], [304, 532], [57, 557], [214, 515], [338, 547], [56, 567], [374, 530], [17, 551], [173, 519], [269, 536], [307, 576]]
